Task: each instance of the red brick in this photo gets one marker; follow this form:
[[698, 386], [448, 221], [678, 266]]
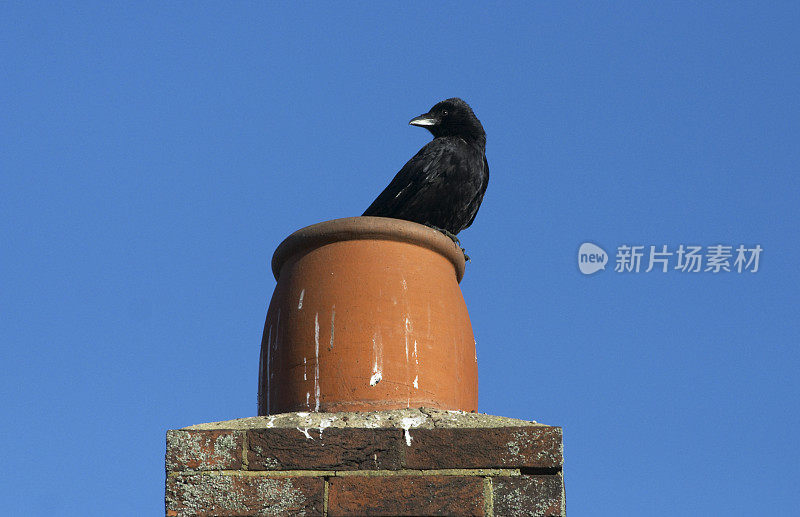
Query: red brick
[[533, 496], [331, 449], [498, 447], [239, 496], [405, 495], [204, 450]]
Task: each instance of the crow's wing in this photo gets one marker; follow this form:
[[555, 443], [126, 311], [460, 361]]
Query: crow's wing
[[413, 191], [476, 201]]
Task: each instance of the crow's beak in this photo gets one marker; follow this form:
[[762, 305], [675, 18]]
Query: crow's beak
[[425, 120]]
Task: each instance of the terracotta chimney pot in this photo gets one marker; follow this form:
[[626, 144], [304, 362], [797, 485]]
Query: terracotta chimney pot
[[367, 315]]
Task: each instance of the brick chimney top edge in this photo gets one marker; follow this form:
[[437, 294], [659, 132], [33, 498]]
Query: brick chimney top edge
[[414, 418]]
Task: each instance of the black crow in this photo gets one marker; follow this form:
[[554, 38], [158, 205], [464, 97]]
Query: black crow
[[442, 186]]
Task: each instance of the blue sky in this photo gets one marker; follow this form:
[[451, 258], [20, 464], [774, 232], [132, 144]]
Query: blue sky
[[153, 156]]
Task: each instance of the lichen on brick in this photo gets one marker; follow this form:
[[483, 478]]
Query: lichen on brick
[[282, 496], [195, 495], [197, 450], [513, 449], [533, 496], [270, 463], [224, 445], [214, 494]]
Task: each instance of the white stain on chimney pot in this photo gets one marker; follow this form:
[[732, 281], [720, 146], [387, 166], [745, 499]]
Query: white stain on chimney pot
[[316, 365], [377, 365], [408, 330], [333, 316]]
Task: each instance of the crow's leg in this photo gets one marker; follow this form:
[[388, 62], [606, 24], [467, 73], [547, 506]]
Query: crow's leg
[[451, 235]]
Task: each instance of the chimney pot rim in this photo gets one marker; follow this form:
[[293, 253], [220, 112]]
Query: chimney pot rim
[[367, 228]]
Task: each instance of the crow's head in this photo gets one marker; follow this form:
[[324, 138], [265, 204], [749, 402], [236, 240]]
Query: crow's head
[[451, 117]]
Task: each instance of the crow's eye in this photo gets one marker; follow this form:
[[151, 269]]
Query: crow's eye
[[444, 113]]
